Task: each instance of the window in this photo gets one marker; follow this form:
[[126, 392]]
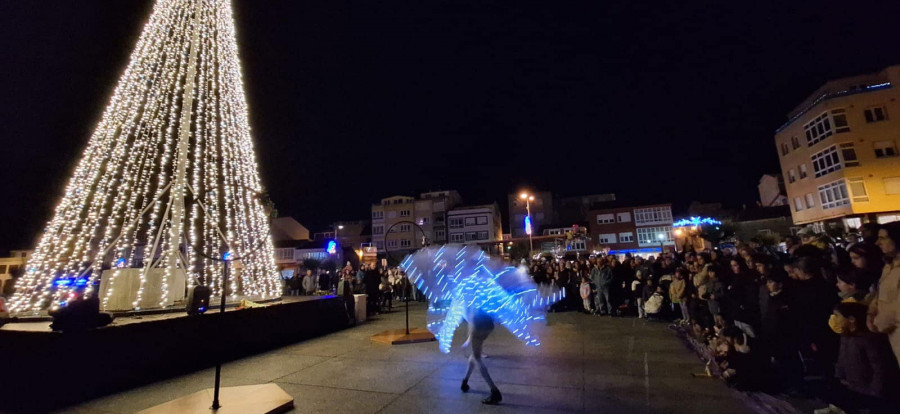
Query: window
[[472, 235], [280, 254], [626, 237], [826, 161], [404, 213], [482, 220], [422, 221], [798, 204], [470, 221], [579, 245], [795, 142], [810, 200], [457, 237], [833, 195], [825, 125], [803, 173], [377, 229], [405, 228], [606, 218], [849, 155], [440, 234], [654, 236], [857, 187], [482, 235], [377, 214], [392, 243], [607, 238], [653, 215], [792, 176], [888, 218], [784, 149], [892, 185], [405, 243], [884, 149], [623, 217], [876, 114], [456, 223]]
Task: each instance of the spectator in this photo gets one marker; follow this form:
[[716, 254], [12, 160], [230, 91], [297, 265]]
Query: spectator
[[678, 294], [884, 311], [309, 283], [637, 292], [604, 284], [779, 333], [866, 368], [869, 259], [585, 290]]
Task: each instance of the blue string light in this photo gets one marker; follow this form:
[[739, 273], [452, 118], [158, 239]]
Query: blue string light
[[477, 282], [696, 221]]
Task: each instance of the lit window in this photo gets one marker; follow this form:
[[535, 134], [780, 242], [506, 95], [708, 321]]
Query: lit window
[[653, 215], [654, 236], [623, 217], [876, 114], [891, 185], [798, 204], [810, 200], [834, 195], [884, 149]]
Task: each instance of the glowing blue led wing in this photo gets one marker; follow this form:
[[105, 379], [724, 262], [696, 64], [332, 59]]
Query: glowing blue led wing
[[459, 280]]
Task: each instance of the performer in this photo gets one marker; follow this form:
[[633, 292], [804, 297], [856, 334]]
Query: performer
[[481, 324], [463, 283]]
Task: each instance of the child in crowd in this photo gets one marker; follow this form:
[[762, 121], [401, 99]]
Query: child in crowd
[[585, 291], [866, 367], [637, 292]]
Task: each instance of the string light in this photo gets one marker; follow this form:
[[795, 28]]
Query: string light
[[175, 126]]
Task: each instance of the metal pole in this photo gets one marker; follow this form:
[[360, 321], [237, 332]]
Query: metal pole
[[222, 294], [530, 241], [407, 307]]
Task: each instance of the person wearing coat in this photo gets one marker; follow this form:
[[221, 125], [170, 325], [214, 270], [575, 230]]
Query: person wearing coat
[[884, 311]]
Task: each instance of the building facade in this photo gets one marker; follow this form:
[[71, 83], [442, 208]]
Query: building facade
[[838, 152], [12, 267], [412, 222], [621, 229], [771, 191], [478, 225]]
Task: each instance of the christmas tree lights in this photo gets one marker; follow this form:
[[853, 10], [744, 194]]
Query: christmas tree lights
[[168, 178]]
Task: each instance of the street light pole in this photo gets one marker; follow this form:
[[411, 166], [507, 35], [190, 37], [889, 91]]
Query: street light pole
[[529, 226]]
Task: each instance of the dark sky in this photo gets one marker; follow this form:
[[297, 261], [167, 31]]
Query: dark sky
[[354, 101]]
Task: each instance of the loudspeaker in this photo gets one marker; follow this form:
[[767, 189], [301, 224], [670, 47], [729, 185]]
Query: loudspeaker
[[198, 300], [80, 315]]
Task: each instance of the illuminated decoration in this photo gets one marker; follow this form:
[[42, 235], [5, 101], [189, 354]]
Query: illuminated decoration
[[696, 222], [528, 225], [458, 280], [332, 247], [168, 176], [831, 95]]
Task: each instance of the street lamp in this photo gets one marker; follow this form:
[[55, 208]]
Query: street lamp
[[528, 224]]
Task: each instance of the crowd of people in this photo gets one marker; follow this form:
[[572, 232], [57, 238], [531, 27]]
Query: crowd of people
[[819, 318]]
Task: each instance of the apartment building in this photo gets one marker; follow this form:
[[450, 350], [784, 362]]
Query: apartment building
[[838, 152], [479, 225], [621, 229], [406, 223]]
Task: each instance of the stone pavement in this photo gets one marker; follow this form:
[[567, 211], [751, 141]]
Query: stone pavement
[[586, 364]]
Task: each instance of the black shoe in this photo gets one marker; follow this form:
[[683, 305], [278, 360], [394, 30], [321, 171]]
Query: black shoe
[[465, 386], [494, 399]]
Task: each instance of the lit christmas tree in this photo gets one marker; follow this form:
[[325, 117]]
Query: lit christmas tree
[[168, 179]]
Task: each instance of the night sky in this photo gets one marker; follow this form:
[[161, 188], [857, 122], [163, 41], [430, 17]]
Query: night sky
[[354, 101]]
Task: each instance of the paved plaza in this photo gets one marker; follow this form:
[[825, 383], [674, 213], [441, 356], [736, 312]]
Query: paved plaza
[[586, 364]]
